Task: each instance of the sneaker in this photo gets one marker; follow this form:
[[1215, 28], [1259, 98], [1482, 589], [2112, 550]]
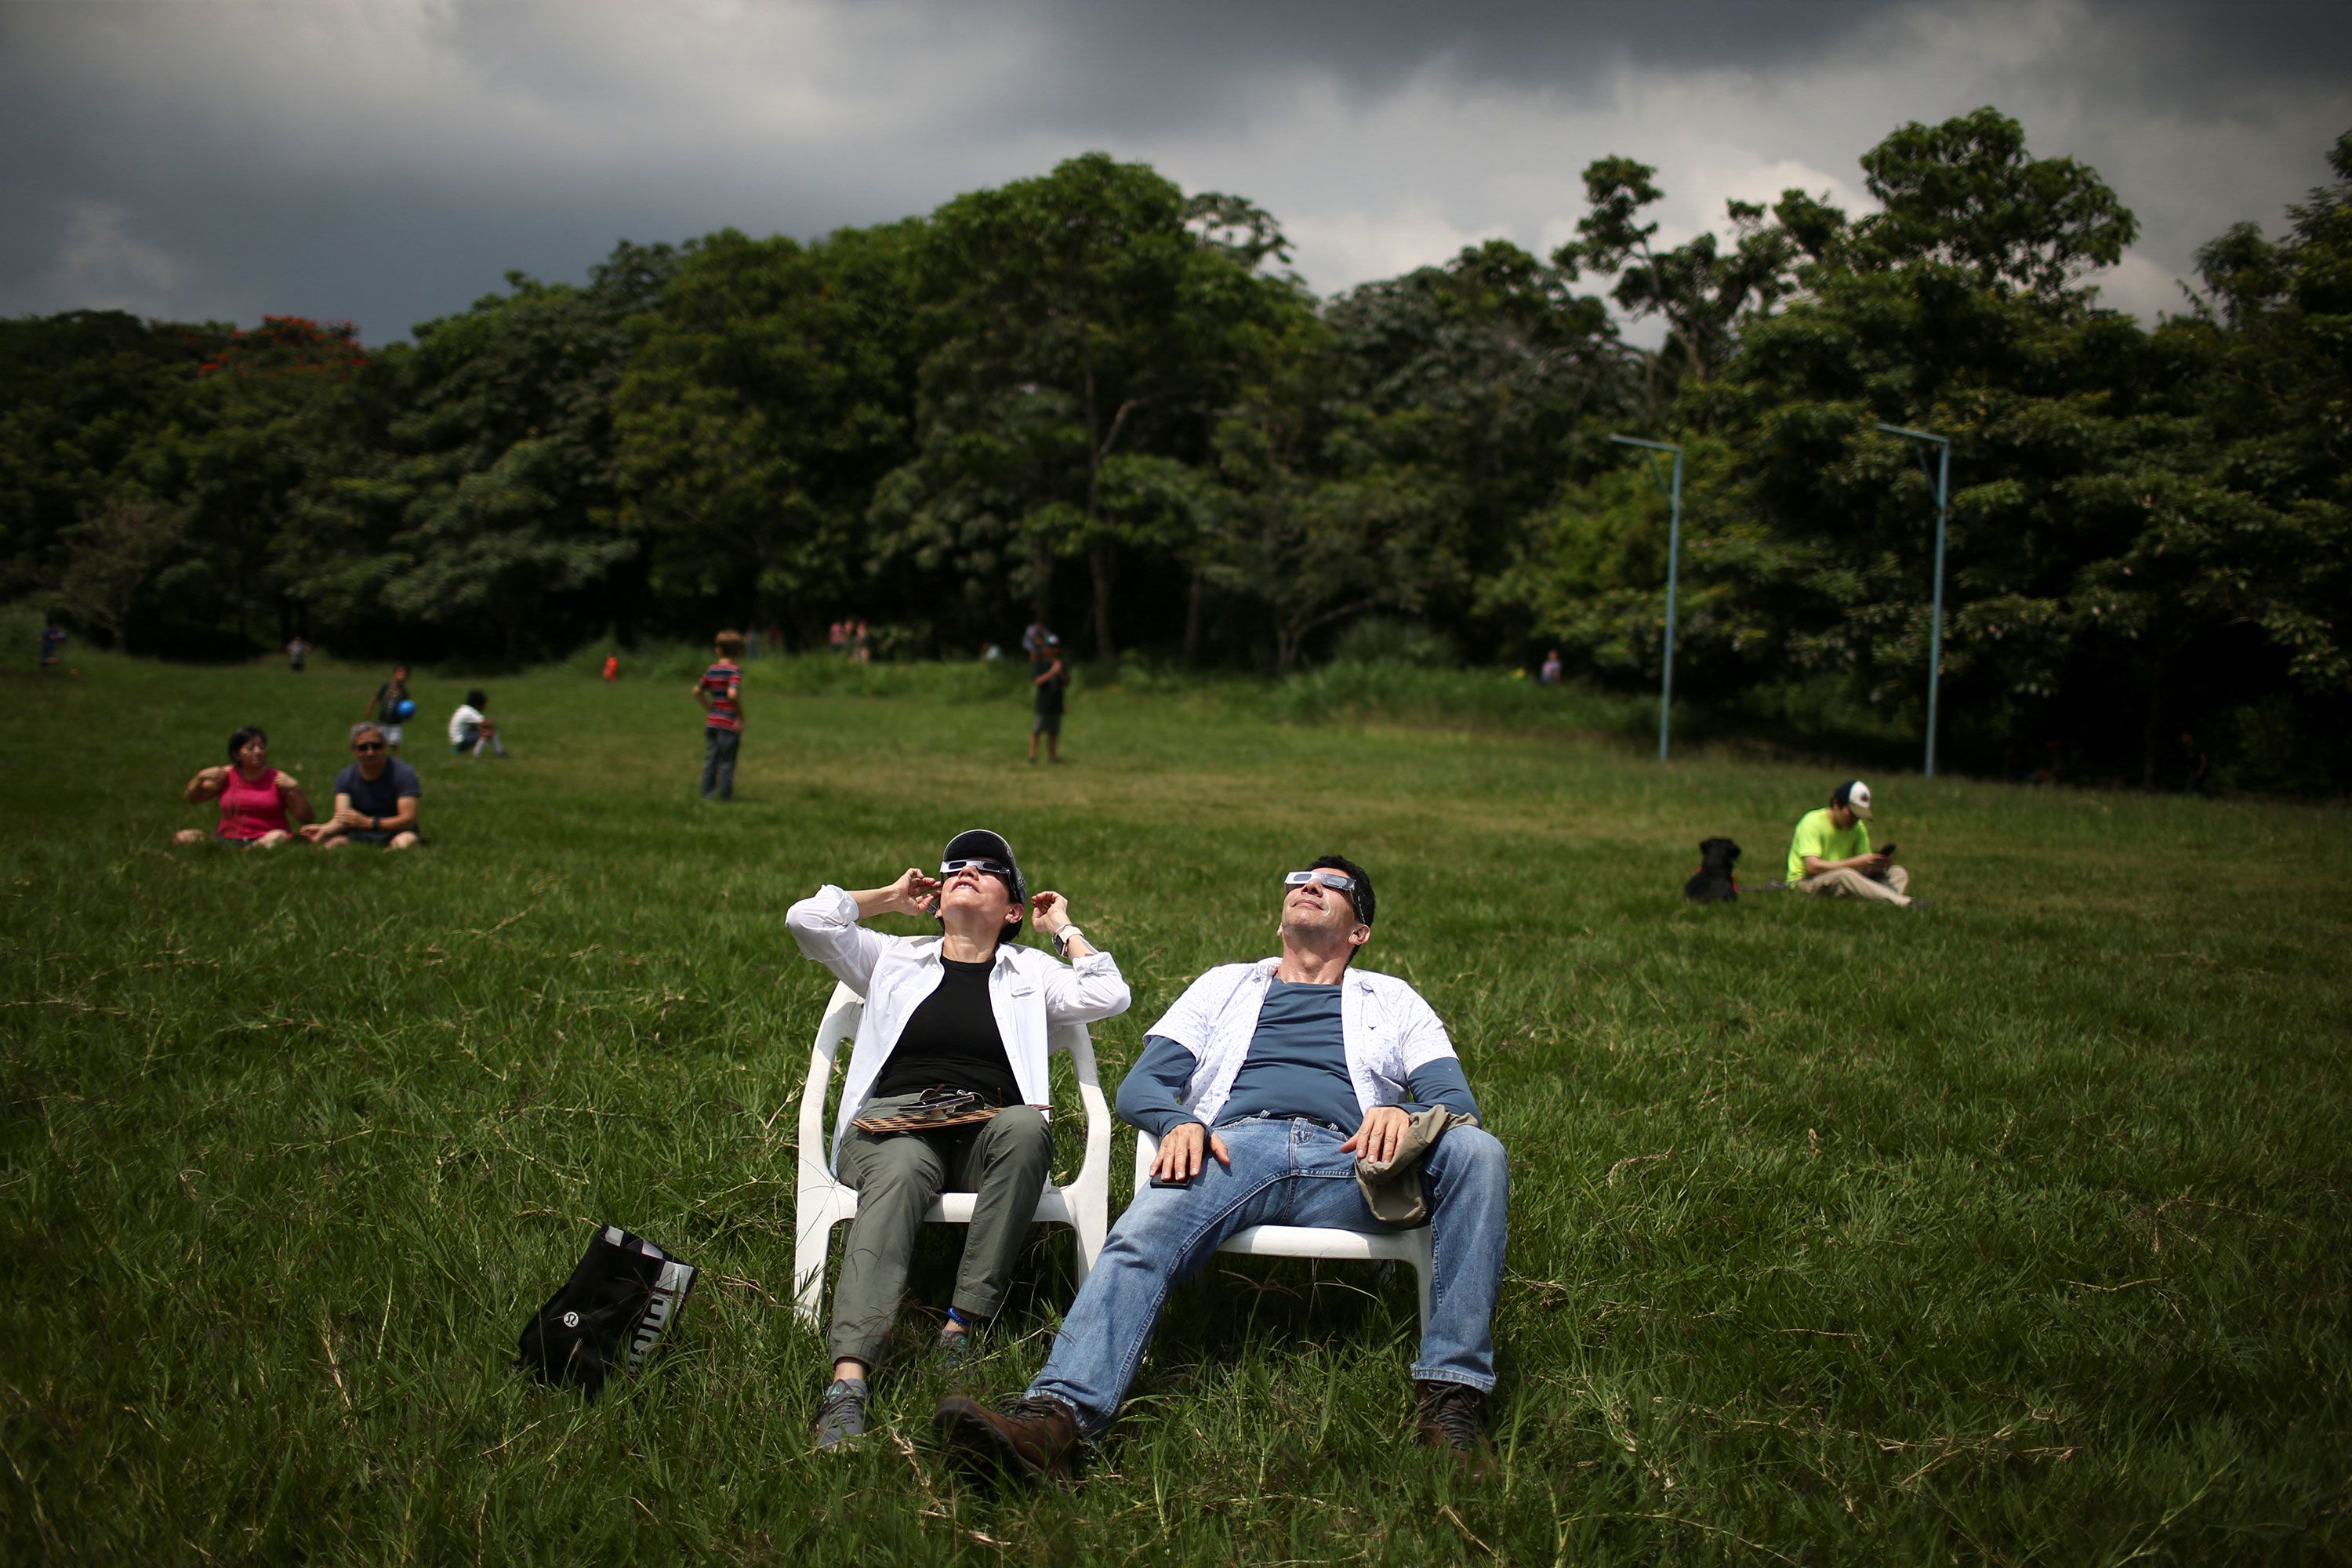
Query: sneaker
[[840, 1415], [1036, 1440], [954, 1347], [1453, 1417]]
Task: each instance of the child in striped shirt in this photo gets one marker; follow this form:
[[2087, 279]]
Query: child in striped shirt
[[720, 692]]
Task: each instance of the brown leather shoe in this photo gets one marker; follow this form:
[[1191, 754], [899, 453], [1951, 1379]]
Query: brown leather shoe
[[1037, 1440], [1453, 1417]]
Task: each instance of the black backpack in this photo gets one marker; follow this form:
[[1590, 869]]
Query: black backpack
[[625, 1294]]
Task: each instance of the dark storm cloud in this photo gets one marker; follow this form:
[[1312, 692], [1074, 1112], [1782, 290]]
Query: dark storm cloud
[[389, 159]]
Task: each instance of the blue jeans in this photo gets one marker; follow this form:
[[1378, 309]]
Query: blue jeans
[[719, 749], [1283, 1173]]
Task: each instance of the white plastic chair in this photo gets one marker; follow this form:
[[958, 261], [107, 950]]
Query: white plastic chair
[[823, 1201], [1415, 1245]]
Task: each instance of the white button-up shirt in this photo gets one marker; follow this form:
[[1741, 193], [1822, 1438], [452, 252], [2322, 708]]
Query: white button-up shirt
[[1027, 990], [1388, 1029]]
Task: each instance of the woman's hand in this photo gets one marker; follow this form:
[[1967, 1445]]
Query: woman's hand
[[915, 893], [287, 785], [1051, 911]]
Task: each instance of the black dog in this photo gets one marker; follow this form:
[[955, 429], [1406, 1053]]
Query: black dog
[[1715, 883]]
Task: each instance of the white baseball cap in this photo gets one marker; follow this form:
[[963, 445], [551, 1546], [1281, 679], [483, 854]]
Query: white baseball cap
[[1854, 794]]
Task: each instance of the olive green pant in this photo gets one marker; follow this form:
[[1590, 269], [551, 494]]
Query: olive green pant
[[899, 1176]]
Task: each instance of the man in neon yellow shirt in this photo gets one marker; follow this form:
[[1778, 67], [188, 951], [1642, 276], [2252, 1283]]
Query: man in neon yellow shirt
[[1830, 853]]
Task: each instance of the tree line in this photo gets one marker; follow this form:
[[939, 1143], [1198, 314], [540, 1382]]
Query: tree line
[[1092, 398]]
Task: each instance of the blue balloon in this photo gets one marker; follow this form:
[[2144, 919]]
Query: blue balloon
[[406, 708]]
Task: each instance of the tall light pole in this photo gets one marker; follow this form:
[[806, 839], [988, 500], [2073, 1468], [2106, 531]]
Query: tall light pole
[[1943, 481], [1674, 564]]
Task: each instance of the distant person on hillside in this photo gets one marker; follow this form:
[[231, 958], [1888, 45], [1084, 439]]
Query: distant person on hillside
[[861, 645], [392, 707], [259, 806], [53, 640], [1051, 677], [471, 731], [612, 668], [957, 1022], [376, 797], [295, 652], [721, 693], [1550, 672], [837, 637], [1831, 854], [2196, 765]]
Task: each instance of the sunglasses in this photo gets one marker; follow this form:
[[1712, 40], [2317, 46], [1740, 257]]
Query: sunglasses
[[997, 869], [367, 745]]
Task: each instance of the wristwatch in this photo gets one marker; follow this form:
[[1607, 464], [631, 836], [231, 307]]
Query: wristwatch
[[1062, 939]]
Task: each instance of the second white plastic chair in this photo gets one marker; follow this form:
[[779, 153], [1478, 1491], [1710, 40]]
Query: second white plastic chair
[[1414, 1247]]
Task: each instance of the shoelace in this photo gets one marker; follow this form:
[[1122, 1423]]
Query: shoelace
[[1456, 1414], [837, 1399]]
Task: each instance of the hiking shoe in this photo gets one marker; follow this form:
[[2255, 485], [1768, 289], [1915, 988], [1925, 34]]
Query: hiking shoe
[[1036, 1440], [1453, 1417], [954, 1349], [840, 1415]]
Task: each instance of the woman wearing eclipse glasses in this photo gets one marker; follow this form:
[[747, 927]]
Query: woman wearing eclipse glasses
[[947, 1086]]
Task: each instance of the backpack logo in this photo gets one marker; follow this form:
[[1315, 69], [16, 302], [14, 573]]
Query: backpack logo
[[571, 1319]]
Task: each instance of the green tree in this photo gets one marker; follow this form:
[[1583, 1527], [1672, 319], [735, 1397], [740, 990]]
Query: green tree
[[1070, 320], [1701, 291], [769, 392], [480, 511]]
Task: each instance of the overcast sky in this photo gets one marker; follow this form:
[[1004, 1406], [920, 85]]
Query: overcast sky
[[388, 161]]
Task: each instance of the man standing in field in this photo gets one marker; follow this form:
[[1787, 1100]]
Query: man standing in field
[[1050, 678], [720, 692], [1264, 1083], [1831, 854]]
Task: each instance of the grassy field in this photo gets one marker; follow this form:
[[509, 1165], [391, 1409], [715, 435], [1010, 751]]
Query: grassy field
[[2013, 1230]]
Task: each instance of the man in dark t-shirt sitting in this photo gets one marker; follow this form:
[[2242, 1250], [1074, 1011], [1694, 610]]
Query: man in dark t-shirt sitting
[[375, 798]]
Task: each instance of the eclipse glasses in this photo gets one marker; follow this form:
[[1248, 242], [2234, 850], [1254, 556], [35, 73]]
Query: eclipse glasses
[[995, 869], [1338, 881]]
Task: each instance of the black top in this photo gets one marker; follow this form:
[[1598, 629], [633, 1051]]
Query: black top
[[952, 1040], [1049, 695]]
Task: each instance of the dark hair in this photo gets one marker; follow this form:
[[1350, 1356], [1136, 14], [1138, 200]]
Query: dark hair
[[239, 736], [730, 643], [1362, 896], [477, 698]]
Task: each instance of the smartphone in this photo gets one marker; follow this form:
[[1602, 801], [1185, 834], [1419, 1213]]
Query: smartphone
[[1887, 851], [1178, 1182]]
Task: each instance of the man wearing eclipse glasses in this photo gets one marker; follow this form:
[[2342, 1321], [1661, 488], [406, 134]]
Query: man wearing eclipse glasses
[[1263, 1084], [947, 1087]]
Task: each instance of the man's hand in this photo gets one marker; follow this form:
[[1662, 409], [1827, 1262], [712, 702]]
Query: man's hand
[[311, 833], [1052, 911], [1179, 1159], [1377, 1140], [1871, 865]]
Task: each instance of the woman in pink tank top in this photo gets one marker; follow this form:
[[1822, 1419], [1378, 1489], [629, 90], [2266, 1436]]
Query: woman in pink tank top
[[259, 805]]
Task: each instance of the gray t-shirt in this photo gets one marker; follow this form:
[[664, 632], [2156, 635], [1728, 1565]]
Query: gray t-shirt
[[382, 797]]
